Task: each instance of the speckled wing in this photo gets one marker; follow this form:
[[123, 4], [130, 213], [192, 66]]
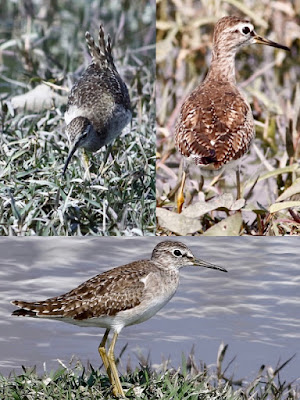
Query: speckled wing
[[215, 125], [98, 89], [105, 294], [101, 79], [98, 82]]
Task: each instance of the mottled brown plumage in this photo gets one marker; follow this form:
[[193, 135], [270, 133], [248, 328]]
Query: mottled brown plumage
[[105, 294], [215, 125], [99, 104], [123, 296]]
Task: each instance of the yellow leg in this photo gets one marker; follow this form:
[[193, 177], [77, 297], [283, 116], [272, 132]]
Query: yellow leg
[[238, 184], [180, 197], [85, 161], [117, 387], [216, 179], [103, 355]]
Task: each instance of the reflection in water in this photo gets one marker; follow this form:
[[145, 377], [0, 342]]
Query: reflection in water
[[253, 308]]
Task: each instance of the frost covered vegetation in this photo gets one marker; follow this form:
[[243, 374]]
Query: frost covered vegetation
[[43, 52], [270, 173]]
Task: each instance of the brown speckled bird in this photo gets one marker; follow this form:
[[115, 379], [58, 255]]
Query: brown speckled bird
[[99, 104], [215, 125], [123, 296]]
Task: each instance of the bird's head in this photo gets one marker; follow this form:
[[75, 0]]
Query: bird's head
[[231, 33], [78, 131], [177, 254]]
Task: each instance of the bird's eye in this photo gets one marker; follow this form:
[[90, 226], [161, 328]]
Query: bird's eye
[[246, 30], [177, 253]]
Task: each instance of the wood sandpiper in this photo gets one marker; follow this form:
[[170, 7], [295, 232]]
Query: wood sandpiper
[[215, 125], [99, 104], [123, 296]]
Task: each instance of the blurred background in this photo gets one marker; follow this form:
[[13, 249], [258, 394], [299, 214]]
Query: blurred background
[[43, 52], [270, 80]]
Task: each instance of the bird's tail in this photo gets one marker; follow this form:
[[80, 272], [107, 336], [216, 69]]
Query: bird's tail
[[101, 54], [38, 308]]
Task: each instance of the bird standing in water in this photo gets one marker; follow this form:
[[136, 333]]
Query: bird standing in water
[[120, 297]]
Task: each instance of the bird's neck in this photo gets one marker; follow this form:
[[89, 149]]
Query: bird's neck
[[168, 268], [222, 66]]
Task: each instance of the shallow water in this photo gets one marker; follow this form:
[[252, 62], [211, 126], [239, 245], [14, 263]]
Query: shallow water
[[254, 308]]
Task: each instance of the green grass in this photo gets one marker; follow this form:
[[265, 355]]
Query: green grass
[[189, 382], [34, 198], [270, 80]]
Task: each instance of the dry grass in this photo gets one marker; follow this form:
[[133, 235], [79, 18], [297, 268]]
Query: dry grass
[[44, 42], [270, 80]]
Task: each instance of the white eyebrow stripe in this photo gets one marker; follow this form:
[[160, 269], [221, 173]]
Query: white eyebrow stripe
[[239, 26]]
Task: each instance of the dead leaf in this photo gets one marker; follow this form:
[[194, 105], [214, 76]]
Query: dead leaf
[[177, 223], [230, 226]]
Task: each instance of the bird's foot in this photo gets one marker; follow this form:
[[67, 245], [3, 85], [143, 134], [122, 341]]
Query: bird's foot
[[118, 392]]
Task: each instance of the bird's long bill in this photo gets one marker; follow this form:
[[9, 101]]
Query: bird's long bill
[[205, 264], [261, 40], [74, 148]]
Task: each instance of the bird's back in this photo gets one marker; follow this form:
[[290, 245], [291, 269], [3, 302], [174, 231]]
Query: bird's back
[[215, 125], [107, 294], [100, 96], [96, 96]]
